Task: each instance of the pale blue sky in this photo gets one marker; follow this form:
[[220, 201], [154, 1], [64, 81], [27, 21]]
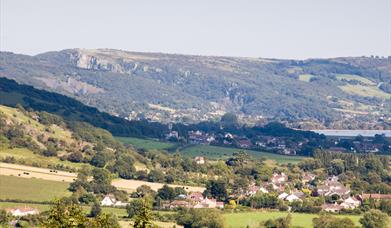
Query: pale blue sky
[[258, 28]]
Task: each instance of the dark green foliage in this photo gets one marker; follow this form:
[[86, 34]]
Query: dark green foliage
[[199, 218], [278, 223], [166, 193], [72, 110], [374, 219], [328, 221], [134, 207], [216, 189], [95, 210]]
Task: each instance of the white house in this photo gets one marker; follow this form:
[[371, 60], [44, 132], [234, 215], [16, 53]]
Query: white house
[[209, 203], [110, 200], [199, 160], [292, 197], [22, 211], [350, 203], [283, 195]]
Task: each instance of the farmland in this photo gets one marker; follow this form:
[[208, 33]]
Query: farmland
[[211, 152], [147, 144], [252, 219], [215, 152], [30, 158], [19, 188], [61, 176]]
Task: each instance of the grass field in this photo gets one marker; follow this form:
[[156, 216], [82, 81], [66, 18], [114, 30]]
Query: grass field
[[30, 158], [215, 152], [211, 152], [148, 144], [305, 77], [351, 77], [252, 219], [12, 187], [365, 91]]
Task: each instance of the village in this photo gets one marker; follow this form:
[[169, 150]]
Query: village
[[283, 145]]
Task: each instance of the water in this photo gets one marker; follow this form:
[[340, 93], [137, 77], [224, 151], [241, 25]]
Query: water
[[353, 133]]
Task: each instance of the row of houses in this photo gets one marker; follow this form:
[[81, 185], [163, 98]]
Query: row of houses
[[194, 200]]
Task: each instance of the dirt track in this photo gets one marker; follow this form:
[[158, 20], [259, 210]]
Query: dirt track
[[42, 173]]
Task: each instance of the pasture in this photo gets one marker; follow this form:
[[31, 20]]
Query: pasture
[[211, 152], [305, 77], [253, 219], [147, 144], [215, 152], [29, 158], [12, 187]]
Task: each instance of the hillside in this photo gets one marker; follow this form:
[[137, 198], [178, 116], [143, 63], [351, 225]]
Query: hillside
[[314, 93], [12, 93]]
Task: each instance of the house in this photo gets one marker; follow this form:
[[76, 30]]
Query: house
[[279, 178], [172, 134], [199, 160], [332, 187], [283, 195], [209, 203], [307, 177], [110, 200], [22, 211], [332, 207], [244, 143], [178, 203], [350, 203], [291, 198], [376, 196], [195, 196]]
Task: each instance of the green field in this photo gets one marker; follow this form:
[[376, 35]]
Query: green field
[[305, 77], [147, 144], [211, 152], [31, 189], [30, 158], [215, 152], [351, 77], [252, 219]]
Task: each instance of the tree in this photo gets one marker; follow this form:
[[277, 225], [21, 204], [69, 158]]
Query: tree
[[65, 214], [166, 193], [278, 223], [134, 207], [374, 219], [328, 221], [199, 218], [216, 189], [106, 221], [229, 120], [143, 217], [5, 218], [95, 210]]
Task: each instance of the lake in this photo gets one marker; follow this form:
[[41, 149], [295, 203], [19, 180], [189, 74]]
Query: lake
[[352, 133]]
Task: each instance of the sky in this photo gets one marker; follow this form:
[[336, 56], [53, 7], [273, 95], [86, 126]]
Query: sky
[[291, 29]]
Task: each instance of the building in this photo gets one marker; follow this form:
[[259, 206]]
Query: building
[[22, 211], [209, 203], [332, 208], [279, 178], [110, 200], [376, 196], [199, 160], [195, 196], [350, 203]]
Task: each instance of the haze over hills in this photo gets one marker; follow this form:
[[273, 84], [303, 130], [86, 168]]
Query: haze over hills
[[351, 92]]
